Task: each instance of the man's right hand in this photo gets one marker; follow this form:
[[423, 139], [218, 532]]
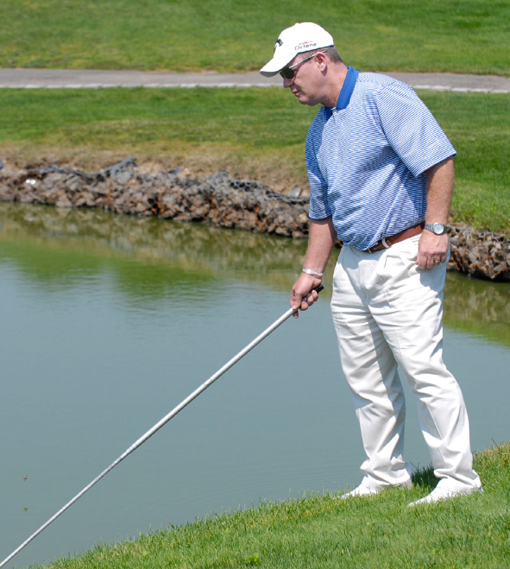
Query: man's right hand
[[320, 244], [302, 296]]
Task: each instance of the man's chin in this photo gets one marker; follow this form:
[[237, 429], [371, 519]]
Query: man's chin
[[301, 97], [304, 100]]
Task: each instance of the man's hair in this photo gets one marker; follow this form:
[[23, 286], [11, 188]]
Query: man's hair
[[331, 52]]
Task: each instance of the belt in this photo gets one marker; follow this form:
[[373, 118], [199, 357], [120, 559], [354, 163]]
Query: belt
[[387, 242]]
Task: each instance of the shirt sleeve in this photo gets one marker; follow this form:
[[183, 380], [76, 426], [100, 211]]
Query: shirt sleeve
[[410, 128]]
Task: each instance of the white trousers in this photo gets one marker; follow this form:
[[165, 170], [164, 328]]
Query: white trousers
[[387, 313]]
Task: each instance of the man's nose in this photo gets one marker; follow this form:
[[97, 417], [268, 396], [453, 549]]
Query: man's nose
[[287, 82]]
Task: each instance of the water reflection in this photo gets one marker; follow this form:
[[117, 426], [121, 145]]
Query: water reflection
[[60, 247], [78, 240], [478, 307]]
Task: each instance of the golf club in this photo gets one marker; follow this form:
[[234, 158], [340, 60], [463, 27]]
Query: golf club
[[160, 424]]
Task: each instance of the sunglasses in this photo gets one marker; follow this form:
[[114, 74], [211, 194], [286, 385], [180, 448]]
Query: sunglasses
[[290, 72]]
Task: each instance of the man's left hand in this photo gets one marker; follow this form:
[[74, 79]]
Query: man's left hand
[[432, 250]]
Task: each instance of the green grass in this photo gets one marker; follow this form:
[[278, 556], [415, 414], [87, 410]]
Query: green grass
[[256, 133], [322, 532], [468, 36], [118, 118]]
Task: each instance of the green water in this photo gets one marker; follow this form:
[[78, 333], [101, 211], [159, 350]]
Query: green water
[[110, 321]]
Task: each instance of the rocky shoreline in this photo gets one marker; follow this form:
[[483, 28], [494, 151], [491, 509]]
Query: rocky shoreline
[[219, 200]]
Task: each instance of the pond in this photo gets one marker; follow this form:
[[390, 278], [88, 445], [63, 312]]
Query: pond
[[110, 321]]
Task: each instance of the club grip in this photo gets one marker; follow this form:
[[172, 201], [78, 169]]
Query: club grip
[[318, 289]]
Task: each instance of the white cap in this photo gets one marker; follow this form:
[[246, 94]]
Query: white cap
[[297, 39]]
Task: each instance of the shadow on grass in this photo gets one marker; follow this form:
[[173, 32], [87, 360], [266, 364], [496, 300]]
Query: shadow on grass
[[424, 478]]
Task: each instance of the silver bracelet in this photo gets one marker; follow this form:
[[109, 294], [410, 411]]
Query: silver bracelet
[[313, 273]]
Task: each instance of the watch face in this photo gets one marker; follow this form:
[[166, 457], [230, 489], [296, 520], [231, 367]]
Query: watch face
[[438, 228]]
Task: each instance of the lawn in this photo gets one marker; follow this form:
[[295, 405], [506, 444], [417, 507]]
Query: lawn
[[468, 36]]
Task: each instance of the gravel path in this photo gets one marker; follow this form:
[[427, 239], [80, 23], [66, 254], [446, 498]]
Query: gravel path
[[77, 78]]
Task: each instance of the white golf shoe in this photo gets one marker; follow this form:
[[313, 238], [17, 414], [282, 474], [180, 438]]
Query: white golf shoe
[[440, 493], [368, 488]]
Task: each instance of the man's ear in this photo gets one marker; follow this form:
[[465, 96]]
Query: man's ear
[[322, 60]]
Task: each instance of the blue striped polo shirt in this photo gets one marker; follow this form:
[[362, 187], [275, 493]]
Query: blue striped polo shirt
[[367, 158]]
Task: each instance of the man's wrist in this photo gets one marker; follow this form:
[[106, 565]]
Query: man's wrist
[[313, 273]]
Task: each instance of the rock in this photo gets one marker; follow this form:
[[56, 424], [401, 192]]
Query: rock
[[63, 201], [480, 254], [295, 193], [122, 177]]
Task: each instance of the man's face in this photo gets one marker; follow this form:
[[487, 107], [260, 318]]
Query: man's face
[[306, 81]]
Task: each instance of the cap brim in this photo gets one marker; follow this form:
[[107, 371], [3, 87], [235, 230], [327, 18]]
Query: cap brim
[[276, 64], [267, 73]]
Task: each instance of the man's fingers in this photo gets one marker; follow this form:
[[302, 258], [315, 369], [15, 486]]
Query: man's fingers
[[309, 299], [430, 262]]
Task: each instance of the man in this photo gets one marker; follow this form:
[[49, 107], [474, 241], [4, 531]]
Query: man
[[381, 180]]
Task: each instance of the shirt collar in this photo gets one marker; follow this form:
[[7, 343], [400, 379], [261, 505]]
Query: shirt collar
[[345, 92]]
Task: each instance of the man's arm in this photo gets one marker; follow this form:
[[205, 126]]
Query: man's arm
[[321, 240], [433, 249]]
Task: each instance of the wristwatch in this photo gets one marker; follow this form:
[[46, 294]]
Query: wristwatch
[[437, 228]]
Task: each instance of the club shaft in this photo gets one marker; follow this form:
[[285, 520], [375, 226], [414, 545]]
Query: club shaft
[[156, 427]]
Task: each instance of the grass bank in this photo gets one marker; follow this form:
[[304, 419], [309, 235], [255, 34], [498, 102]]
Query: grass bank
[[322, 532], [253, 133], [471, 36]]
